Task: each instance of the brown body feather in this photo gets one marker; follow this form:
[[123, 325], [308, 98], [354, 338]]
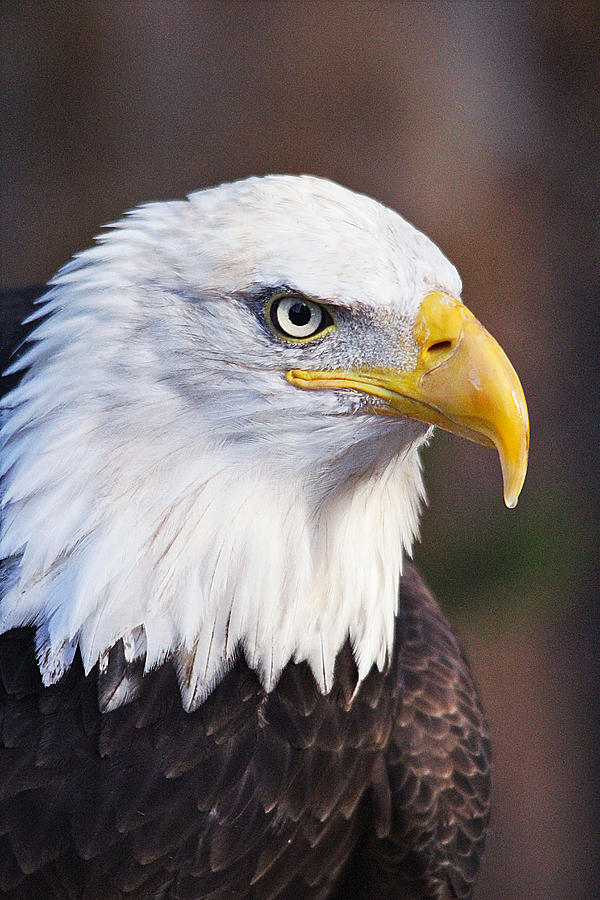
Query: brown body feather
[[378, 793]]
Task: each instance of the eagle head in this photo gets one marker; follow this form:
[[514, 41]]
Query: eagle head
[[213, 449]]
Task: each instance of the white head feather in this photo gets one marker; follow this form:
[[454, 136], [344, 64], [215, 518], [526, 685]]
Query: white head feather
[[163, 483]]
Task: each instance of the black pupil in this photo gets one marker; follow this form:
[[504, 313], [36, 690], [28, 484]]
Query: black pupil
[[299, 314]]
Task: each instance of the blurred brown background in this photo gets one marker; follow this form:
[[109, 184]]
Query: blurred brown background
[[479, 122]]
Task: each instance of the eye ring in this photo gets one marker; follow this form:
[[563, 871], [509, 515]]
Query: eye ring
[[296, 318]]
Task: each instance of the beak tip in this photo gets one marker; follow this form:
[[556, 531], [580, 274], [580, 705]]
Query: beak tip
[[513, 485]]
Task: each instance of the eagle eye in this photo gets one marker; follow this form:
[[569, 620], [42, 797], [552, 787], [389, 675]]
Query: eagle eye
[[296, 318]]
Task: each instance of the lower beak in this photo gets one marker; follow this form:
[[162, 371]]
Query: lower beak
[[463, 382]]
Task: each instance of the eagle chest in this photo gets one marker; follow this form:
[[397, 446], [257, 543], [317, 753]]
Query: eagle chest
[[278, 780], [251, 790]]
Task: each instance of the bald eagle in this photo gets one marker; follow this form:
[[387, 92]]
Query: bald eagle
[[219, 675]]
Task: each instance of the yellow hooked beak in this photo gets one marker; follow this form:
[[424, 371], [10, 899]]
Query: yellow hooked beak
[[462, 382]]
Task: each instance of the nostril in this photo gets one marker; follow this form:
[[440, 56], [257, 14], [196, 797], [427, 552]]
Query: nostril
[[440, 346]]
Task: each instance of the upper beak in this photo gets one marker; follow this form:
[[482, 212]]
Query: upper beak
[[462, 381]]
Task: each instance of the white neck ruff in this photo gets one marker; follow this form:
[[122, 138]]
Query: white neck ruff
[[192, 560]]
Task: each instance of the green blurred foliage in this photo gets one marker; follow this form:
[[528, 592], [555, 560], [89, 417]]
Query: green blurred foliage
[[490, 561]]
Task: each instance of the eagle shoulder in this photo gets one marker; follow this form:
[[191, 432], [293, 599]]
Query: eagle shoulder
[[437, 772]]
